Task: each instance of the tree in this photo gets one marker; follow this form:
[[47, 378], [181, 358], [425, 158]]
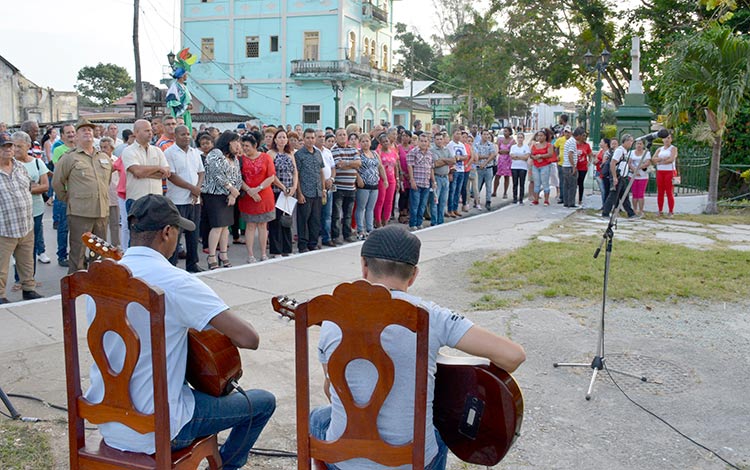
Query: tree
[[708, 71], [418, 59], [103, 83]]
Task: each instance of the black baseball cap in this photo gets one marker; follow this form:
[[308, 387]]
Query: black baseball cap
[[154, 212]]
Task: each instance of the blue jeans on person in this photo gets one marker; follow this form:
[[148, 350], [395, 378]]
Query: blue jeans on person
[[485, 176], [60, 208], [417, 204], [603, 186], [562, 183], [365, 212], [320, 421], [541, 178], [438, 210], [214, 414], [457, 186], [325, 218]]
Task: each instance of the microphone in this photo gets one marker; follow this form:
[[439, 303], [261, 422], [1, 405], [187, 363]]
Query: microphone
[[661, 133]]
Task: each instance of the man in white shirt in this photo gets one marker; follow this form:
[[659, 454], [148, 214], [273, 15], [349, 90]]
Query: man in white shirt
[[155, 225], [324, 143], [618, 166], [145, 165], [569, 182], [184, 189]]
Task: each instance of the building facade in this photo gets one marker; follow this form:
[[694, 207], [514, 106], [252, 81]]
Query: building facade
[[21, 99], [293, 61]]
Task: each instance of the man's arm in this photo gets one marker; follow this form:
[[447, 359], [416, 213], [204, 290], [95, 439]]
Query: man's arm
[[503, 352], [60, 179], [242, 333], [146, 171]]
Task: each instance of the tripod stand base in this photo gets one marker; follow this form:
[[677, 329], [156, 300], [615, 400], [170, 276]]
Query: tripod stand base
[[13, 412], [596, 365]]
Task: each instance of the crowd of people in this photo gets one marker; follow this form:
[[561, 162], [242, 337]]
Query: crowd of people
[[293, 189]]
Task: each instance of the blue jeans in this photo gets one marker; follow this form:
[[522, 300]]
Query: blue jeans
[[214, 414], [541, 178], [59, 212], [438, 210], [454, 190], [560, 177], [485, 176], [325, 218], [417, 204], [603, 186], [365, 213], [320, 420]]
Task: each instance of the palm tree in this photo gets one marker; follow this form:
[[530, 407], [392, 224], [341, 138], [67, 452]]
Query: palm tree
[[709, 72]]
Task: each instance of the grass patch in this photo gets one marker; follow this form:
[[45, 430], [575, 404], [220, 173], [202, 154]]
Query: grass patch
[[24, 447], [656, 271]]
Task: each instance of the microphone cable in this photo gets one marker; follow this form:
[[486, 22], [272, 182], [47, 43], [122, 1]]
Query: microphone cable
[[736, 467]]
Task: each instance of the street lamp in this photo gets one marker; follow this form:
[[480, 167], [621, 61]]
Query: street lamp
[[170, 58], [600, 66], [338, 87]]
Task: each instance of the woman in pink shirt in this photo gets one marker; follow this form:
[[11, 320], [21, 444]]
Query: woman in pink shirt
[[390, 158], [403, 148]]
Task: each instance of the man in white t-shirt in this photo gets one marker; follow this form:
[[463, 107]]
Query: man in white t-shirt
[[458, 150], [324, 143], [620, 174], [569, 167], [184, 189], [389, 258]]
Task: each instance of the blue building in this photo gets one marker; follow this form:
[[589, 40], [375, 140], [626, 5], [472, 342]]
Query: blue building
[[293, 61]]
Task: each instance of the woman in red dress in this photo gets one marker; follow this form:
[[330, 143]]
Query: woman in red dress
[[257, 205]]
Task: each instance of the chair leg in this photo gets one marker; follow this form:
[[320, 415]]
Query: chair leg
[[318, 465], [214, 460]]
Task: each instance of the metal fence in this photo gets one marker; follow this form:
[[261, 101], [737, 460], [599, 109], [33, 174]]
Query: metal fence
[[693, 166]]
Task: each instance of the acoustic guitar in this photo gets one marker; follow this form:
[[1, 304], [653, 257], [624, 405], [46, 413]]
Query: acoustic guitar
[[213, 361], [477, 408]]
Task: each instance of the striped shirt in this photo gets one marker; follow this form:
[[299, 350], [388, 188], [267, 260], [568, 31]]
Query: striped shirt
[[15, 202], [570, 147], [346, 178]]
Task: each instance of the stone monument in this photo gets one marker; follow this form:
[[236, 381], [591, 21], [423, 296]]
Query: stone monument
[[634, 116]]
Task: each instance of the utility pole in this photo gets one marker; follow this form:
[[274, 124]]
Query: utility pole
[[411, 91], [137, 53]]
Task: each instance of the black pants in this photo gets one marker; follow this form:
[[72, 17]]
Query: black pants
[[308, 222], [403, 200], [341, 218], [279, 238], [519, 183], [192, 213], [235, 227], [614, 198], [204, 227]]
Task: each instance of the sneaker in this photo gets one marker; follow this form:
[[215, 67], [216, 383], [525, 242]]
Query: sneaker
[[520, 203], [31, 295], [546, 203], [351, 238], [488, 206], [251, 260], [43, 258], [63, 263], [361, 237], [535, 203]]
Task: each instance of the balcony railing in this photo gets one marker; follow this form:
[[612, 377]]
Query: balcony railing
[[342, 70], [371, 12]]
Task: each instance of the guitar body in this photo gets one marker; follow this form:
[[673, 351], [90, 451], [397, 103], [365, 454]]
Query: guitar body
[[478, 409], [213, 362]]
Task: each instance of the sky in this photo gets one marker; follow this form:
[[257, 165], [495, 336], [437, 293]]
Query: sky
[[51, 40]]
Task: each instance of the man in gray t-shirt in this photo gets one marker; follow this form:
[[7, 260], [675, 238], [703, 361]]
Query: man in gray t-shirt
[[389, 257], [443, 159]]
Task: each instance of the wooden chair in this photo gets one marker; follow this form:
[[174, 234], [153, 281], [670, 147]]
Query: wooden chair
[[362, 311], [112, 287]]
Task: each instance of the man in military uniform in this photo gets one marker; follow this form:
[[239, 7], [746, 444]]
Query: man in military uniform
[[81, 180]]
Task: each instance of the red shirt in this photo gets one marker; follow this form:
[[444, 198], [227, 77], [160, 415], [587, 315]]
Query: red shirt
[[253, 173], [123, 178], [584, 151], [543, 151]]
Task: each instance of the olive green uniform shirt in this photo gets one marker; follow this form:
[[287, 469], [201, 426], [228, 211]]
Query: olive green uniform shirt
[[82, 181]]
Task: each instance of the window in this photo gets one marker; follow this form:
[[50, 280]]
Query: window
[[252, 46], [274, 44], [366, 48], [207, 49], [398, 120], [384, 62], [352, 46], [311, 114], [350, 116], [311, 45]]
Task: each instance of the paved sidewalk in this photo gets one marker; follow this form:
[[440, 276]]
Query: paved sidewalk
[[697, 354]]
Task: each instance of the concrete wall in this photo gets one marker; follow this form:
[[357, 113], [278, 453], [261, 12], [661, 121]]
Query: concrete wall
[[22, 99]]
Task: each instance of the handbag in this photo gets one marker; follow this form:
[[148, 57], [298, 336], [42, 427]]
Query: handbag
[[286, 218], [676, 178]]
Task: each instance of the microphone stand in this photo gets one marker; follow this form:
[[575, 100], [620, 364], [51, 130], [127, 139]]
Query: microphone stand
[[597, 362], [14, 414]]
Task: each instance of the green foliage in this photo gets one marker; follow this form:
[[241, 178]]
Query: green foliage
[[609, 131], [103, 83], [484, 115], [736, 150], [415, 53]]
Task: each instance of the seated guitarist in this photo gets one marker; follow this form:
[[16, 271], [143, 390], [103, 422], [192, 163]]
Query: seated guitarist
[[389, 257], [155, 225]]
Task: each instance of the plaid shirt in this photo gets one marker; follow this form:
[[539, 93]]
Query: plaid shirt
[[15, 202], [421, 164]]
